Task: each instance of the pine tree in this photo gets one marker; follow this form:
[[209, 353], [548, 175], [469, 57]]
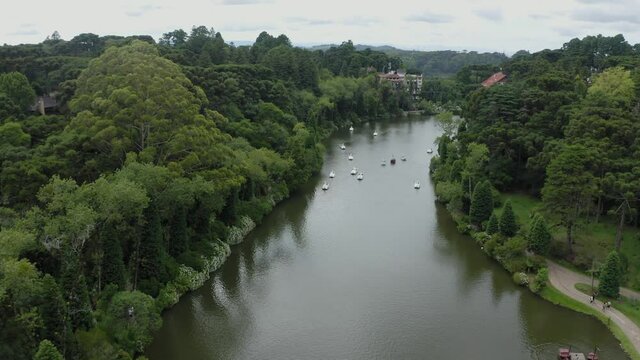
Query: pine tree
[[492, 226], [113, 270], [179, 236], [508, 225], [539, 236], [610, 276], [481, 203], [75, 290], [53, 312], [150, 251], [47, 351]]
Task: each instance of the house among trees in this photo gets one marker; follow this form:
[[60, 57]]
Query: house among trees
[[45, 105], [497, 78], [411, 82]]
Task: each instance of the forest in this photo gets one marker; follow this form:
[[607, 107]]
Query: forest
[[157, 157], [557, 147]]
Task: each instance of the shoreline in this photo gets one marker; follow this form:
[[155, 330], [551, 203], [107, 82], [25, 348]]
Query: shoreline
[[558, 297]]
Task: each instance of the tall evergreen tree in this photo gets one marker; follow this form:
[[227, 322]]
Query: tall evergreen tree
[[481, 203], [179, 237], [113, 270], [75, 290], [150, 267], [508, 225], [539, 236], [610, 276], [492, 225], [54, 315]]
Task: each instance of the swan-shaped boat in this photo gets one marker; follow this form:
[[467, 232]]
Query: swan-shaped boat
[[325, 186], [375, 133], [351, 128], [350, 156], [360, 176], [342, 147], [332, 174], [416, 185], [429, 150]]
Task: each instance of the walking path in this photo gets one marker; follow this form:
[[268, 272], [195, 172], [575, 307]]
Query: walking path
[[565, 280]]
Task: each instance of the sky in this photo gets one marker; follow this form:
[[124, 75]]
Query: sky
[[481, 25]]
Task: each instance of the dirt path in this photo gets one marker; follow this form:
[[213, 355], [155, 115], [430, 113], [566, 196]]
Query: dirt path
[[564, 280]]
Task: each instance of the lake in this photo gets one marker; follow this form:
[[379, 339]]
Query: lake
[[370, 269]]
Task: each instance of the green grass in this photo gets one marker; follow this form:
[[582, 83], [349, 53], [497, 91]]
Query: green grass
[[629, 307], [592, 240], [551, 294]]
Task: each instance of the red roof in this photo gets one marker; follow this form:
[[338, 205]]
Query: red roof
[[494, 79]]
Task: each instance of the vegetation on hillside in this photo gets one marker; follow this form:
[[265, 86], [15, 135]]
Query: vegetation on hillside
[[158, 157], [564, 129]]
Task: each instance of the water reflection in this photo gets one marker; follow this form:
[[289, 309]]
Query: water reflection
[[366, 270]]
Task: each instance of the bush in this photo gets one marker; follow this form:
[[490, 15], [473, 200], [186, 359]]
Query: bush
[[540, 280], [490, 245], [521, 279], [514, 265], [191, 259], [535, 263], [255, 208], [481, 237]]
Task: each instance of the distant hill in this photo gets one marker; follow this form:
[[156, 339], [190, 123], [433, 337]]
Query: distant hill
[[441, 63]]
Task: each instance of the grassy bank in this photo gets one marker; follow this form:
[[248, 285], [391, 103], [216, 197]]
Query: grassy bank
[[592, 240], [629, 307], [551, 294], [523, 207]]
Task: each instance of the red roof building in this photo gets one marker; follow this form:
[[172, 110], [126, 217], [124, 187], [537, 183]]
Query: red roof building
[[497, 78]]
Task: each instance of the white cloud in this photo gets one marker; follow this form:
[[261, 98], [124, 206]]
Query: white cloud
[[494, 25]]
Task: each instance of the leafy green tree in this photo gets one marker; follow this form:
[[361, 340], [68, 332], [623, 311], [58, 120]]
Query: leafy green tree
[[478, 155], [610, 276], [132, 100], [613, 86], [508, 224], [569, 186], [539, 238], [131, 319], [47, 351], [17, 89], [492, 225], [481, 203]]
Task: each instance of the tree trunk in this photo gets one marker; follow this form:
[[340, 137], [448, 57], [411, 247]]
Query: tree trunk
[[570, 238], [620, 228], [598, 208]]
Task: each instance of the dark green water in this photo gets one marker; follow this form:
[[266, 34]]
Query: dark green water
[[368, 270]]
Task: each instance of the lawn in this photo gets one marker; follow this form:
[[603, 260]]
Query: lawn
[[592, 240], [629, 307]]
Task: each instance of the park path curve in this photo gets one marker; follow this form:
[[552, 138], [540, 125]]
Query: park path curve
[[565, 280]]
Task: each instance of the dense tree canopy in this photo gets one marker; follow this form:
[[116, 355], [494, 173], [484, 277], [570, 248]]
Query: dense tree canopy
[[154, 157]]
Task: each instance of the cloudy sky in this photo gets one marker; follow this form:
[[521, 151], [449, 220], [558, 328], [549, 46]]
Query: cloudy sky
[[483, 25]]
